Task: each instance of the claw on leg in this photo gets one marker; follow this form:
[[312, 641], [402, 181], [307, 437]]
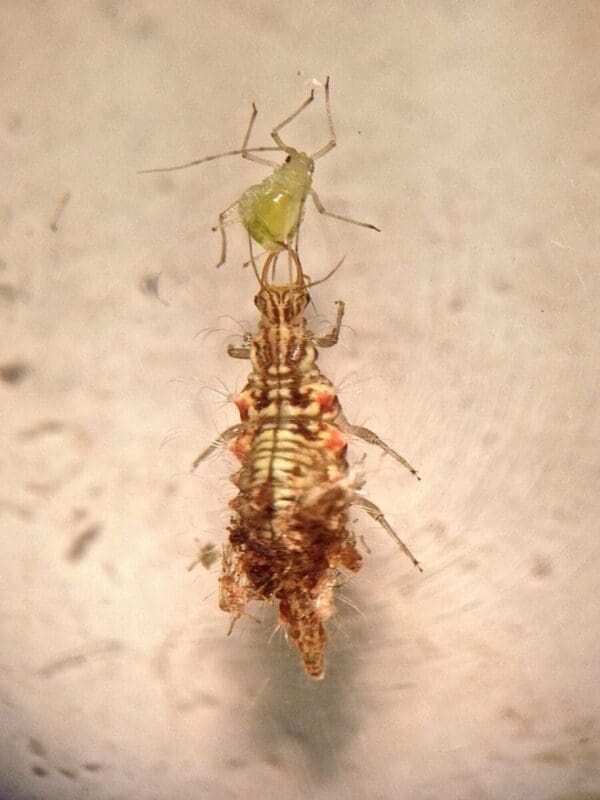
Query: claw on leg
[[370, 437], [377, 514]]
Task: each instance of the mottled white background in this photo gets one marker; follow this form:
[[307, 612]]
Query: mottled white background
[[469, 131]]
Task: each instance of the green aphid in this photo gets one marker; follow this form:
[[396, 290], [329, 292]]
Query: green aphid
[[271, 211]]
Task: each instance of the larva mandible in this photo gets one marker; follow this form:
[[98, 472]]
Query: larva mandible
[[289, 536]]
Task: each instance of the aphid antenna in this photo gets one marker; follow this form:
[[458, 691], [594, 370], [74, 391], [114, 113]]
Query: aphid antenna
[[333, 140], [267, 149]]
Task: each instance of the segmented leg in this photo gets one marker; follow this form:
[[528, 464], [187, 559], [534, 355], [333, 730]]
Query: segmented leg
[[251, 157], [322, 210], [224, 438], [370, 437], [275, 132], [244, 149], [238, 351], [377, 514], [332, 338], [221, 227], [332, 140]]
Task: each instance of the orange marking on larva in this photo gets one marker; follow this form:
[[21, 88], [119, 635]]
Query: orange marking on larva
[[289, 536], [326, 400], [242, 405], [335, 441], [239, 447]]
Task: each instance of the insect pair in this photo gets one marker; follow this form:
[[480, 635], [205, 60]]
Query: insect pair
[[290, 535], [271, 211]]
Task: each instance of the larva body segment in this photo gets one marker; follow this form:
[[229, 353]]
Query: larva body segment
[[289, 538]]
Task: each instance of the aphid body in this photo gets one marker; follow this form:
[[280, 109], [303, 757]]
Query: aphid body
[[289, 538], [272, 210]]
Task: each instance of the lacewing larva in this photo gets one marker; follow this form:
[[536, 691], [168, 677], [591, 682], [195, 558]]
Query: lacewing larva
[[289, 536], [271, 211]]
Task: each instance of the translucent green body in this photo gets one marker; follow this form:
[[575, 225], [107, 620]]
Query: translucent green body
[[272, 210]]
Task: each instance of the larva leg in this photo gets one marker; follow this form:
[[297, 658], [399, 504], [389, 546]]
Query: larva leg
[[332, 338], [322, 210], [244, 148], [227, 436], [377, 514], [370, 437], [275, 132], [238, 351]]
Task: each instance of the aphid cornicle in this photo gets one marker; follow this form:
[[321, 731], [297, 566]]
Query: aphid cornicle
[[271, 211], [289, 537]]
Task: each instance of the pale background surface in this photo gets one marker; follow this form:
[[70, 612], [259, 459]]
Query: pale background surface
[[469, 132]]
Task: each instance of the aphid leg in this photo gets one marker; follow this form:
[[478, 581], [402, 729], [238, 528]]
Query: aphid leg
[[332, 141], [332, 338], [245, 151], [297, 239], [252, 261], [275, 132], [225, 437], [370, 437], [322, 210], [221, 227], [377, 514]]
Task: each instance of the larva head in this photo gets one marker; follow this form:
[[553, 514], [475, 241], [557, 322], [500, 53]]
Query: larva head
[[282, 303]]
